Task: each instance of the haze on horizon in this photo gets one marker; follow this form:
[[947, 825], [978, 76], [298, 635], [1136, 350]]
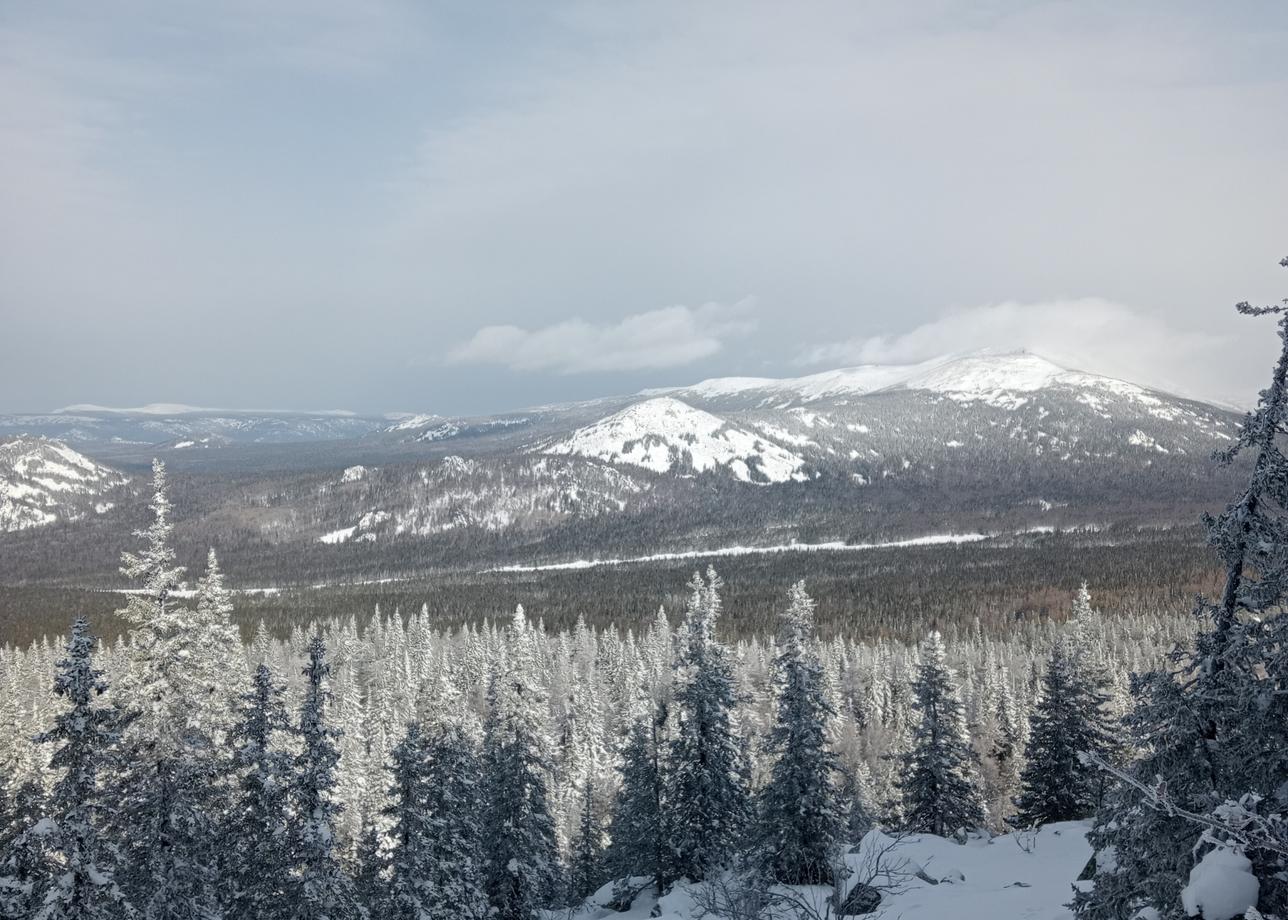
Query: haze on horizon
[[384, 206]]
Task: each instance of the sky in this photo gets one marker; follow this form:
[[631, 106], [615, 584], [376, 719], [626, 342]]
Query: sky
[[464, 208]]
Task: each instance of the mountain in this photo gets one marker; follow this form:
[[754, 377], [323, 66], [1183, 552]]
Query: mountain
[[43, 481], [664, 435], [164, 424]]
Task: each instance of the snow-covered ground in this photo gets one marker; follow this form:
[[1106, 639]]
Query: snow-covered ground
[[1022, 876]]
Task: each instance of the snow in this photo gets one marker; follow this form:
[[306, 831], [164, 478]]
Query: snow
[[338, 536], [42, 481], [354, 474], [1221, 886], [1020, 876], [182, 444], [930, 540], [413, 421], [664, 433]]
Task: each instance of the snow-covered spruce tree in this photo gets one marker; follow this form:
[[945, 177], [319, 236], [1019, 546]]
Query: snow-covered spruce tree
[[523, 871], [637, 833], [258, 826], [586, 873], [454, 850], [940, 792], [170, 772], [708, 802], [321, 890], [23, 858], [1213, 727], [799, 821], [412, 829], [82, 886], [215, 674], [1072, 718]]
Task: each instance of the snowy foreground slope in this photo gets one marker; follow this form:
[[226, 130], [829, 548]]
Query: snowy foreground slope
[[1022, 876]]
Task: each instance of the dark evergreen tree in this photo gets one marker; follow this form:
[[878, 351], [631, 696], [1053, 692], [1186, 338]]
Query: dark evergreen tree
[[370, 886], [322, 890], [454, 849], [708, 797], [258, 826], [83, 884], [412, 828], [587, 870], [24, 874], [523, 871], [1071, 719], [637, 834], [1215, 726], [940, 792], [800, 822]]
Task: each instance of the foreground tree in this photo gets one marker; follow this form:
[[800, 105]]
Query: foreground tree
[[83, 886], [258, 826], [940, 793], [455, 845], [523, 869], [322, 890], [637, 834], [1072, 718], [1214, 727], [412, 831], [708, 800], [799, 825]]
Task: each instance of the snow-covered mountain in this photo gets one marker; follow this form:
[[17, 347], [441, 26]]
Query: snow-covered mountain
[[459, 493], [43, 481], [664, 434]]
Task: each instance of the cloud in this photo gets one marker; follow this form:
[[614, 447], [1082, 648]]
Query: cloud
[[1091, 334], [668, 337]]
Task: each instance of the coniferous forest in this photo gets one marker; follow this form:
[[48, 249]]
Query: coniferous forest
[[384, 766]]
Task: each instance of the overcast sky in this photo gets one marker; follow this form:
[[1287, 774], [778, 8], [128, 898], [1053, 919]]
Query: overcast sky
[[466, 207]]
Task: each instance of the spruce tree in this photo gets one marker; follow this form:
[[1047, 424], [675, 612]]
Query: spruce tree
[[1214, 726], [798, 837], [322, 890], [83, 886], [258, 825], [1071, 719], [637, 834], [940, 793], [454, 855], [24, 860], [412, 828], [586, 872], [708, 800], [523, 871]]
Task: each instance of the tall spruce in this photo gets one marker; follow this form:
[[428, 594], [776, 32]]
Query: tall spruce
[[454, 850], [412, 828], [1213, 727], [83, 886], [24, 867], [322, 890], [258, 825], [637, 833], [1072, 718], [940, 790], [587, 869], [708, 799], [523, 871], [800, 821]]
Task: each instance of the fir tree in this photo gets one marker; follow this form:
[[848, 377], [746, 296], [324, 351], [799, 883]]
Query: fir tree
[[1214, 727], [708, 801], [24, 875], [638, 829], [523, 859], [258, 835], [800, 820], [83, 886], [940, 795], [587, 868], [322, 891], [454, 849], [1071, 719], [412, 828]]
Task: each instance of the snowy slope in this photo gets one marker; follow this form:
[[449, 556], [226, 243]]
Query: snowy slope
[[43, 481], [665, 434], [1023, 876]]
